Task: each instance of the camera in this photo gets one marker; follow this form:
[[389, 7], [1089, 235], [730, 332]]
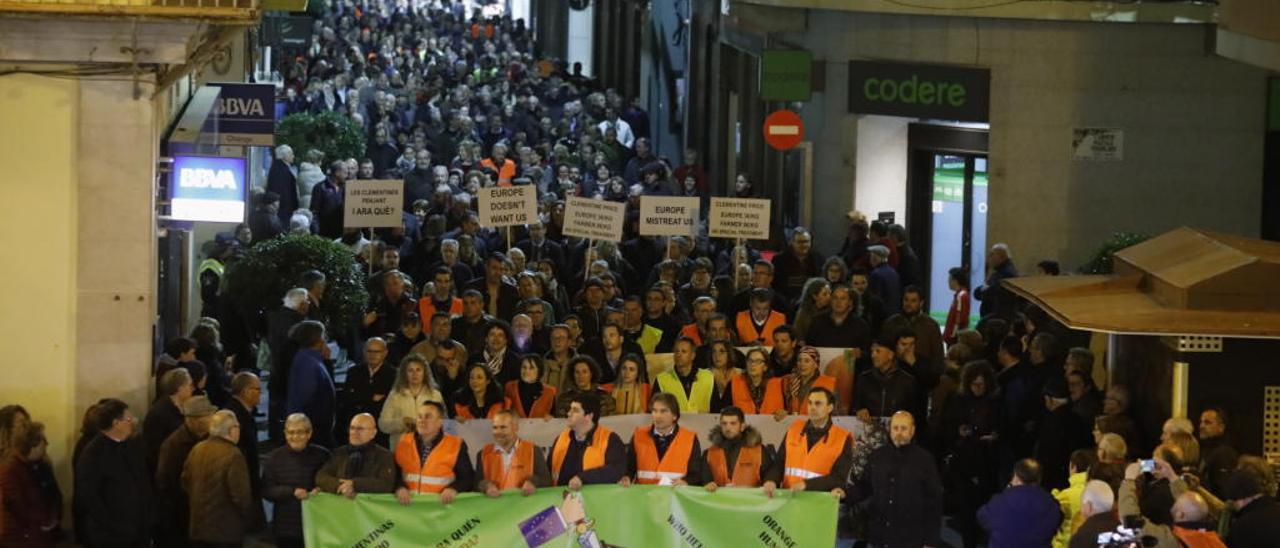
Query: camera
[[1127, 535], [1148, 465]]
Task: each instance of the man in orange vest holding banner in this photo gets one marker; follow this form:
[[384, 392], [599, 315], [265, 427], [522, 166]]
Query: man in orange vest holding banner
[[586, 453], [816, 454], [510, 462], [431, 461], [664, 453], [737, 457], [755, 326]]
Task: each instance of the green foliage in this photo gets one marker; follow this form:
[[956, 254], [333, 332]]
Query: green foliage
[[329, 132], [259, 279], [1103, 261]]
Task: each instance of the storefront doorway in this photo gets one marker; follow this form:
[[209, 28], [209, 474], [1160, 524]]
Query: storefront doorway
[[947, 207]]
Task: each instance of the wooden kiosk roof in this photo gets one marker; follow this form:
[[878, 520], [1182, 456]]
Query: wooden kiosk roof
[[1184, 282]]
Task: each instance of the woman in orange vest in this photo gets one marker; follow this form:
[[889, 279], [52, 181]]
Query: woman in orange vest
[[632, 392], [796, 386], [510, 462], [481, 397], [737, 456], [527, 396], [431, 461], [724, 369], [816, 454], [756, 393], [664, 453]]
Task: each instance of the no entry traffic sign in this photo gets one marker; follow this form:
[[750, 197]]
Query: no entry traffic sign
[[783, 129]]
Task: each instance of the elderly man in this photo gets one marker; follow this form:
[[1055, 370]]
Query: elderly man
[[1191, 524], [289, 476], [246, 392], [294, 310], [883, 281], [1096, 504], [112, 485], [905, 492], [171, 527], [815, 454], [282, 179], [996, 300], [216, 480], [431, 461], [165, 414], [510, 462], [361, 466]]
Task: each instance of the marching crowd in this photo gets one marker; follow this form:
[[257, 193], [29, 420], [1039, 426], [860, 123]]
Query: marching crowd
[[998, 427]]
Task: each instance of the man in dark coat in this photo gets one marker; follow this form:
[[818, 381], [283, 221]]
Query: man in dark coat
[[1024, 514], [296, 306], [112, 485], [794, 266], [172, 501], [1257, 514], [1060, 433], [288, 476], [537, 247], [265, 221], [246, 391], [367, 385], [996, 300], [282, 179], [165, 415], [1218, 456], [327, 199], [905, 492], [886, 388]]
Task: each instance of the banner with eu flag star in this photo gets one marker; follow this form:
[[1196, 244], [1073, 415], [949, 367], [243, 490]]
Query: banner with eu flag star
[[595, 517]]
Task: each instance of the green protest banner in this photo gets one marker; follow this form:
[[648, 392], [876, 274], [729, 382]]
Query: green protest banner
[[597, 516]]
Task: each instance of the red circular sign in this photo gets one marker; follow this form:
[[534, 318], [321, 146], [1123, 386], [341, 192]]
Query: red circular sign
[[783, 129]]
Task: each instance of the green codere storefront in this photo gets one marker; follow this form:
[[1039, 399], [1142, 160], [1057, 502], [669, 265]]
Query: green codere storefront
[[938, 92]]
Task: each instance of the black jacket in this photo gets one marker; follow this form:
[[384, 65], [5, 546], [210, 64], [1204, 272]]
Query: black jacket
[[279, 322], [883, 395], [853, 333], [282, 181], [904, 497], [113, 490], [162, 419], [1060, 433], [248, 443], [508, 296], [283, 471], [548, 250], [1256, 525]]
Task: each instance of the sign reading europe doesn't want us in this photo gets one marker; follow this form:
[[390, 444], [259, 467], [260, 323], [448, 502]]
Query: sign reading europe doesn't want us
[[594, 219], [746, 218], [668, 215], [373, 204], [501, 206]]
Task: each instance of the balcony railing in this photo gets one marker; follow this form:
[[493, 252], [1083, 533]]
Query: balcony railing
[[246, 10]]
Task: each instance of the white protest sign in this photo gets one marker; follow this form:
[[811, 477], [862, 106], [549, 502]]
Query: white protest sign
[[668, 215], [594, 219], [746, 218], [373, 204], [508, 205]]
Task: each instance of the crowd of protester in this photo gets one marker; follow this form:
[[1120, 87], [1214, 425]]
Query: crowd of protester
[[999, 425]]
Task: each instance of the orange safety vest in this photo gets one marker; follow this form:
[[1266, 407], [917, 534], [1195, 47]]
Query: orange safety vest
[[746, 471], [505, 173], [541, 407], [803, 463], [646, 394], [436, 473], [592, 458], [464, 412], [1195, 538], [521, 468], [742, 396], [747, 334], [800, 405], [692, 332], [674, 464], [427, 309]]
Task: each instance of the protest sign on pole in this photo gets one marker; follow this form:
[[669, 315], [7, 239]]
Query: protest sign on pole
[[373, 204], [740, 218], [594, 219], [668, 215], [507, 205]]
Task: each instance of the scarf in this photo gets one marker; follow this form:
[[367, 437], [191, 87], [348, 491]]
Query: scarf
[[494, 364], [798, 384]]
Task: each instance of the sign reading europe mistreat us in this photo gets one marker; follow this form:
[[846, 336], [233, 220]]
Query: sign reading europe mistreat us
[[597, 515], [746, 218], [786, 74], [937, 92], [207, 188], [246, 114], [501, 206], [594, 219], [373, 204], [668, 215]]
